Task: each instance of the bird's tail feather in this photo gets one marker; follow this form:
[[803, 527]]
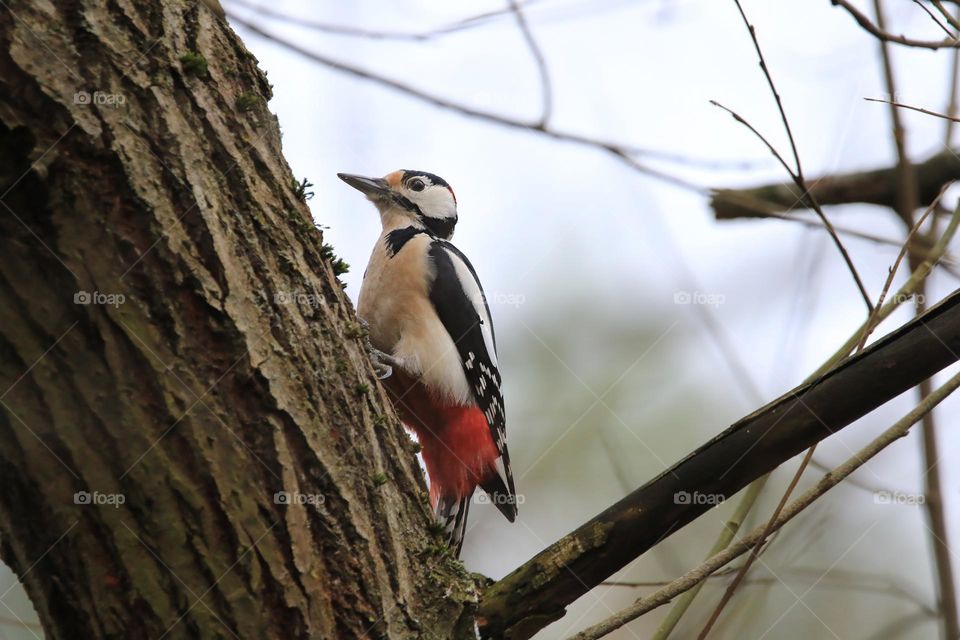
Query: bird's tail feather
[[501, 495], [452, 514]]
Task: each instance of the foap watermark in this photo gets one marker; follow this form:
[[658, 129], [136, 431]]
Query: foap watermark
[[110, 499], [695, 497], [482, 497], [897, 497], [299, 298], [295, 497], [918, 299], [501, 297], [101, 98], [699, 297], [99, 297]]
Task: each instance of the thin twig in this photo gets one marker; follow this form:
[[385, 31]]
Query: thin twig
[[933, 500], [797, 173], [546, 88], [912, 108], [868, 328], [867, 582], [906, 205], [907, 200], [905, 292], [954, 73], [952, 19], [776, 154], [755, 551], [921, 243], [933, 17], [871, 321], [622, 152], [617, 148], [374, 34], [744, 544], [877, 32], [859, 484], [730, 529], [933, 494]]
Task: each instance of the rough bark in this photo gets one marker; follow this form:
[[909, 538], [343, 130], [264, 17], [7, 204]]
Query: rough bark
[[231, 369]]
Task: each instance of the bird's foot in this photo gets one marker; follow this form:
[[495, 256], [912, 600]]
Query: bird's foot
[[383, 363]]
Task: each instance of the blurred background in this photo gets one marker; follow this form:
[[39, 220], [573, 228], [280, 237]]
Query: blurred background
[[632, 326]]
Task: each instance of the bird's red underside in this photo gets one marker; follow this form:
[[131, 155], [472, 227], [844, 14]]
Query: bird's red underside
[[457, 446]]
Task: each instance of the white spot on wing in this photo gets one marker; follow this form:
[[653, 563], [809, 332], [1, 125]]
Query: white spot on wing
[[471, 288]]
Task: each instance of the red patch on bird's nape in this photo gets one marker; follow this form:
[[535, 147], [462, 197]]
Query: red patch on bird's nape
[[452, 194]]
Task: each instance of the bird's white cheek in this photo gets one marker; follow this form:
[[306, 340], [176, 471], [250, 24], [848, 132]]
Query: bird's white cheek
[[436, 203]]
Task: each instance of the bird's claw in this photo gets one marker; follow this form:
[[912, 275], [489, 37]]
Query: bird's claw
[[383, 363]]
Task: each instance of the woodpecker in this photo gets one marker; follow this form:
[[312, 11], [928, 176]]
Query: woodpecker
[[430, 329]]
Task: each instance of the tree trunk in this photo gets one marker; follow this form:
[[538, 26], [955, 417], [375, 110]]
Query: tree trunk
[[175, 350]]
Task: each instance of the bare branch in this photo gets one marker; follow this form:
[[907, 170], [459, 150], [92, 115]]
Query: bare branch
[[876, 186], [537, 592], [622, 152], [374, 34], [797, 173], [906, 204], [546, 89], [907, 198], [877, 32], [755, 550], [727, 534], [952, 100], [757, 536], [872, 320], [934, 18], [868, 328], [862, 581], [912, 108], [952, 19], [773, 150]]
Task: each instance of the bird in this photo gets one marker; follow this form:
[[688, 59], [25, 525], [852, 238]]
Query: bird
[[432, 340]]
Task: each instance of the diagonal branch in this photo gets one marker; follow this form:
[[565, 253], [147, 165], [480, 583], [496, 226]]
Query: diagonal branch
[[463, 24], [952, 19], [934, 18], [546, 88], [624, 153], [758, 535], [912, 108], [797, 173], [538, 592]]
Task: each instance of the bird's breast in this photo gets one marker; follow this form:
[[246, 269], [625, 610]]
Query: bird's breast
[[395, 302]]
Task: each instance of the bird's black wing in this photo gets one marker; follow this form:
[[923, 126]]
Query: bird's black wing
[[462, 307]]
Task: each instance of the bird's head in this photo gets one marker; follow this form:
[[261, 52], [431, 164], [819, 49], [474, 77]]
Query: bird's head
[[425, 199]]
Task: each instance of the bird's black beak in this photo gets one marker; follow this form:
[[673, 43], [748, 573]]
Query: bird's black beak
[[373, 188]]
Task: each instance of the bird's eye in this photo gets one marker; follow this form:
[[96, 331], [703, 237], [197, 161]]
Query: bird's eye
[[416, 184]]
